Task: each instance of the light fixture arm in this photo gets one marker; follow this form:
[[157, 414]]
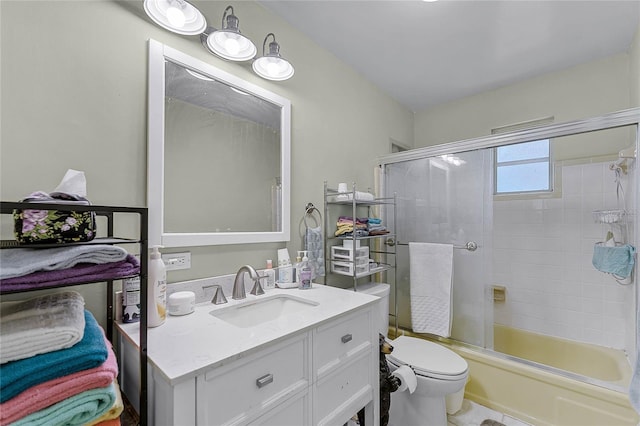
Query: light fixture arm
[[230, 21], [274, 47]]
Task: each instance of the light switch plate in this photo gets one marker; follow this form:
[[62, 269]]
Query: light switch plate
[[175, 261]]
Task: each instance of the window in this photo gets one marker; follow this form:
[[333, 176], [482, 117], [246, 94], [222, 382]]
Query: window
[[523, 167]]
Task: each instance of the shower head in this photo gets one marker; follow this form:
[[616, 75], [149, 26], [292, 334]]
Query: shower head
[[620, 166]]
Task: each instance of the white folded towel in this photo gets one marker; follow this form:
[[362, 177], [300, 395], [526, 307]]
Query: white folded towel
[[40, 325], [23, 261], [431, 267]]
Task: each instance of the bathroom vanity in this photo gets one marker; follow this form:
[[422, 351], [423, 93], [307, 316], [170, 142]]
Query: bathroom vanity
[[288, 357]]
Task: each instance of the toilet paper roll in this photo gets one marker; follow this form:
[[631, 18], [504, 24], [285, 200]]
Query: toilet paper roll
[[408, 379]]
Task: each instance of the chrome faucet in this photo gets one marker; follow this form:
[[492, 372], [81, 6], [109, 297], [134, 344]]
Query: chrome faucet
[[238, 283]]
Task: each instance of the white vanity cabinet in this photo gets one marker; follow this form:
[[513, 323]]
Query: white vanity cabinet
[[320, 372]]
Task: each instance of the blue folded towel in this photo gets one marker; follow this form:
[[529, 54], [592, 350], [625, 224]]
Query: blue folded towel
[[618, 260], [90, 352], [79, 409]]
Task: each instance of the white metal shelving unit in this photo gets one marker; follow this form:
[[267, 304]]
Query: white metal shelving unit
[[382, 248]]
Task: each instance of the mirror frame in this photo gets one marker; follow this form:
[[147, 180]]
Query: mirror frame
[[158, 53]]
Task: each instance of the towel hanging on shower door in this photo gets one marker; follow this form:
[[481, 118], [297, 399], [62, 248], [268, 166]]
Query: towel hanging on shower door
[[431, 275]]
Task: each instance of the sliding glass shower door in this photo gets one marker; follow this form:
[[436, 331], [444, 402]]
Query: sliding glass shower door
[[447, 199]]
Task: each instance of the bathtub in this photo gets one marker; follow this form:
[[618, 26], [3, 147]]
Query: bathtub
[[595, 362], [543, 395]]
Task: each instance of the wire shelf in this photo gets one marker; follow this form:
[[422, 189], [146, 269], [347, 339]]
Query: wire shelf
[[610, 216]]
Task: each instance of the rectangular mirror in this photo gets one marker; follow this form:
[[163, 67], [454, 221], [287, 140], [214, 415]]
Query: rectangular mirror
[[219, 155]]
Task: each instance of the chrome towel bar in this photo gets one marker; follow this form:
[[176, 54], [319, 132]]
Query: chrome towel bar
[[471, 245]]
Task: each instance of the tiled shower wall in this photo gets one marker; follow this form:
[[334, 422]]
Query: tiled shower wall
[[542, 255]]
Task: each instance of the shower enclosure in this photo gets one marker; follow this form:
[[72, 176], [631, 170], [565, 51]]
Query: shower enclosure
[[532, 274]]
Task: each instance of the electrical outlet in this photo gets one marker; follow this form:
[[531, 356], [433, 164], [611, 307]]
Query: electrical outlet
[[175, 261]]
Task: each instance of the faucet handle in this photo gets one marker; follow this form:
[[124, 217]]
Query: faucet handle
[[218, 296], [257, 289]]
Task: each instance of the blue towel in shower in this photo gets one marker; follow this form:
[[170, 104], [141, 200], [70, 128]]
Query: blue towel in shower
[[618, 260]]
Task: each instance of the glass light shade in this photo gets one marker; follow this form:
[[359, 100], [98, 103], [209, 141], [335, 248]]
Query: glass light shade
[[231, 45], [273, 68], [178, 16]]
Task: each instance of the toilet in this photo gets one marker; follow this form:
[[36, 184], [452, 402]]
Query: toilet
[[439, 372]]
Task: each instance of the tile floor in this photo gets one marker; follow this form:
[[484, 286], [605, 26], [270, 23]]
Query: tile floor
[[472, 414]]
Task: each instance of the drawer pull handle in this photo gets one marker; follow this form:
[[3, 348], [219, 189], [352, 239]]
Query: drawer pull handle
[[346, 338], [264, 380]]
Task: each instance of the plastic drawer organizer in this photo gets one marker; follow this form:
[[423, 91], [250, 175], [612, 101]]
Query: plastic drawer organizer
[[344, 259]]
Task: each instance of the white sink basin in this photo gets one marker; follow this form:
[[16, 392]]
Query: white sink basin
[[261, 310]]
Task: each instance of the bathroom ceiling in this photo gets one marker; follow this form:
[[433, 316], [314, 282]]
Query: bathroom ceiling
[[426, 53]]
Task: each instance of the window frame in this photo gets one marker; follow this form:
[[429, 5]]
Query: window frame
[[532, 160]]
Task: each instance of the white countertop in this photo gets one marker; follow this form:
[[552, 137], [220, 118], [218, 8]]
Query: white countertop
[[185, 346]]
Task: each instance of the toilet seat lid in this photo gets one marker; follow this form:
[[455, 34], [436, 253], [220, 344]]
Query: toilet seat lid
[[427, 358]]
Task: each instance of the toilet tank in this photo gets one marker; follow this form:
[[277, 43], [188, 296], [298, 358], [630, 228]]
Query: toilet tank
[[382, 291]]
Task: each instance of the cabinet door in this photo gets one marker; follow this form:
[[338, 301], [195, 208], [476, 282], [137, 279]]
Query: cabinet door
[[244, 389], [342, 393]]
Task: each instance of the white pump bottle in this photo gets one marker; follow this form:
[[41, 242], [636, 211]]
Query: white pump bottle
[[157, 290]]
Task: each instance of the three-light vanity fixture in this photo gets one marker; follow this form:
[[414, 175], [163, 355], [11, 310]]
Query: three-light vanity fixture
[[181, 17]]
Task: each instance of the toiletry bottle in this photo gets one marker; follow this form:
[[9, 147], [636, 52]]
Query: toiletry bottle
[[305, 273], [285, 270], [157, 290], [298, 267], [270, 281], [131, 300]]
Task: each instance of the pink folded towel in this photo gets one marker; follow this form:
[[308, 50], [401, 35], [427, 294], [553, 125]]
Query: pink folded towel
[[48, 393]]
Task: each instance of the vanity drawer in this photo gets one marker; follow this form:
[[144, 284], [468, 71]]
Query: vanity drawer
[[341, 341], [293, 412], [234, 393], [343, 392]]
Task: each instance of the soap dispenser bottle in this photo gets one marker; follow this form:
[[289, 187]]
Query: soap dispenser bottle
[[157, 290], [297, 267], [305, 273]]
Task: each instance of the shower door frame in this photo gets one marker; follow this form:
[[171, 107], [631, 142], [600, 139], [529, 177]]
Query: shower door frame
[[623, 118]]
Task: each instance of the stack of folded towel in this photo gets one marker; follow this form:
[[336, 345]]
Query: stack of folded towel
[[375, 227], [364, 226], [345, 226], [57, 367], [27, 268]]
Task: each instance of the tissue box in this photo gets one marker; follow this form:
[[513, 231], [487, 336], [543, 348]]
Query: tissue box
[[36, 226]]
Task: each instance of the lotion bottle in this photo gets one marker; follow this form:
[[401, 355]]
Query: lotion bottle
[[157, 290]]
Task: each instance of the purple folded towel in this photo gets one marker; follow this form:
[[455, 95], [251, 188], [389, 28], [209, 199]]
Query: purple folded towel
[[81, 273]]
